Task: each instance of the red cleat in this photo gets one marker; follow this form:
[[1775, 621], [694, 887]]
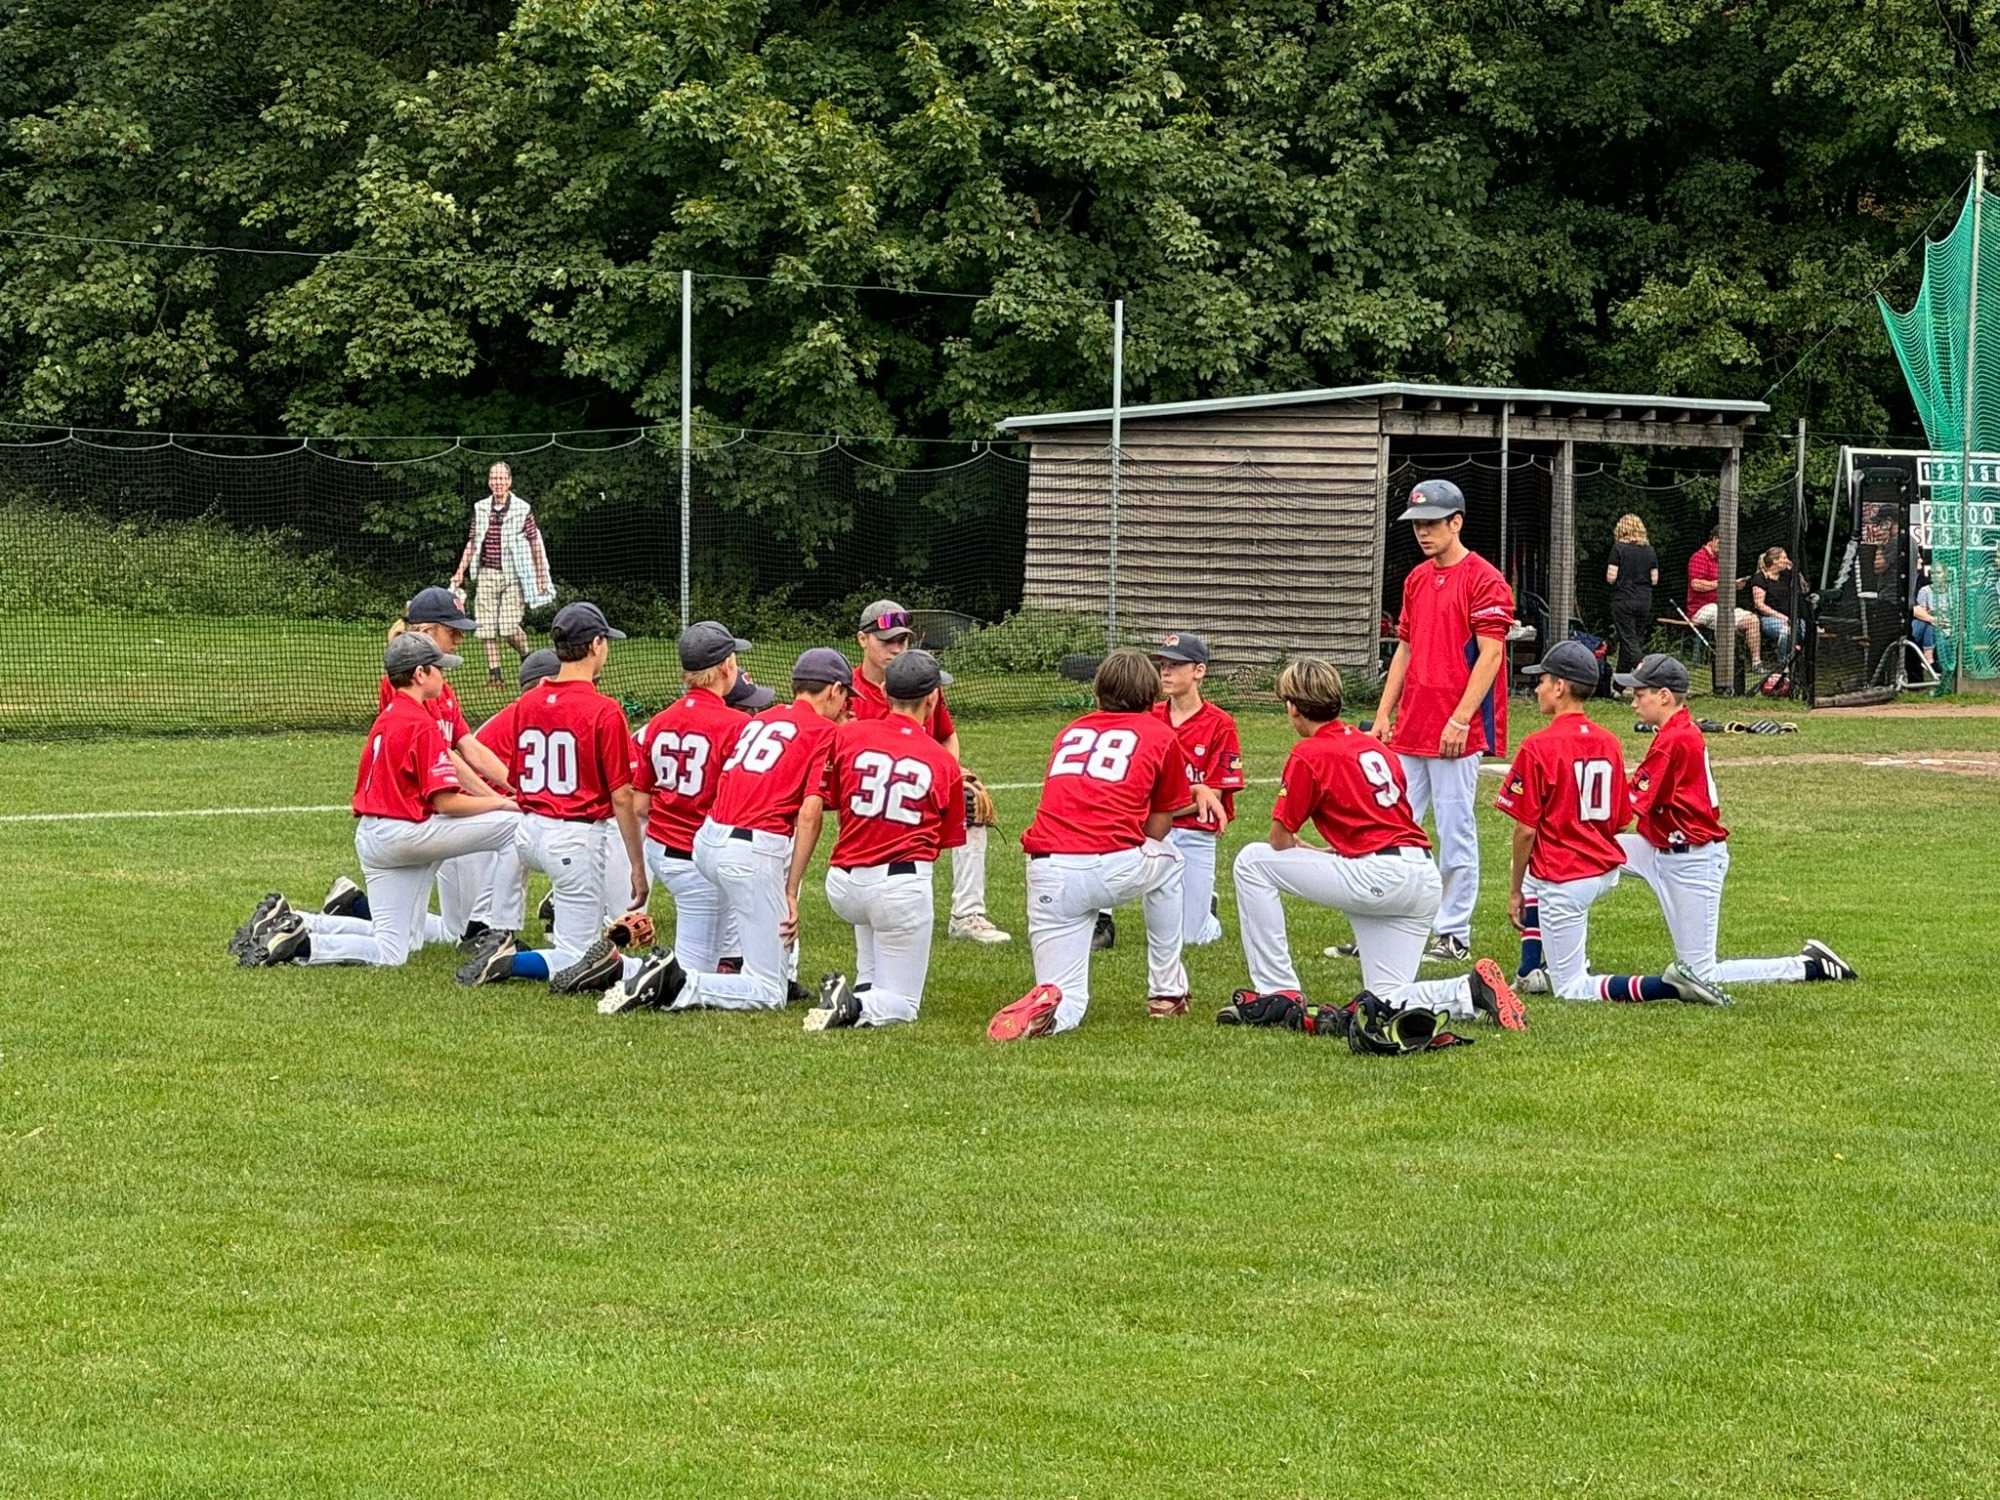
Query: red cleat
[[1492, 995], [1034, 1014], [1161, 1007]]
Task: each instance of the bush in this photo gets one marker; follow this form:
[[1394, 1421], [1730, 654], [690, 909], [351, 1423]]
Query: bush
[[1025, 643], [56, 560]]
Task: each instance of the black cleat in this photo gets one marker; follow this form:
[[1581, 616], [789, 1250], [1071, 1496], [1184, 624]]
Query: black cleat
[[656, 986], [600, 967], [287, 942], [1104, 934], [546, 912], [1831, 964], [469, 941], [491, 961], [263, 920], [839, 1007], [342, 898]]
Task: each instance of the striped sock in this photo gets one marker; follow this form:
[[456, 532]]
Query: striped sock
[[1531, 939], [1634, 989]]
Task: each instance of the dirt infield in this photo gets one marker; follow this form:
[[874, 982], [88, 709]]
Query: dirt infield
[[1958, 763], [1913, 711]]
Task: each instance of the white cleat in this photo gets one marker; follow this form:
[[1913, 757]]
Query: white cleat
[[1534, 982], [1694, 991], [1343, 950], [979, 929]]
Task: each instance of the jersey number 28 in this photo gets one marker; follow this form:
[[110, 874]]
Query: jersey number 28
[[1102, 755]]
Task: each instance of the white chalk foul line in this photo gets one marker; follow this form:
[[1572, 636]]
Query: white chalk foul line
[[171, 812]]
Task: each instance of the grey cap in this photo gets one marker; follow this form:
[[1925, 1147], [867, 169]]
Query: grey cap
[[751, 697], [1572, 661], [1434, 500], [1178, 645], [823, 664], [436, 606], [413, 649], [1657, 670], [914, 675], [707, 643], [538, 664], [878, 620], [580, 624]]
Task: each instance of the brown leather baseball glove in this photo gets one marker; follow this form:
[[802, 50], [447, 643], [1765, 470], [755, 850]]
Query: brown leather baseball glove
[[633, 930]]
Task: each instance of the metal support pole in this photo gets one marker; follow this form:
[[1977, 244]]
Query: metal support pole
[[687, 433], [1117, 441], [1798, 541], [1506, 410], [1725, 570], [1562, 545], [1960, 616]]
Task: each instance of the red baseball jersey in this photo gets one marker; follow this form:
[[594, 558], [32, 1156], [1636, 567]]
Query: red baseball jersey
[[779, 760], [681, 753], [444, 706], [1209, 738], [1108, 772], [1568, 784], [1446, 613], [405, 763], [1674, 791], [898, 793], [571, 751], [497, 733], [1352, 790], [867, 701]]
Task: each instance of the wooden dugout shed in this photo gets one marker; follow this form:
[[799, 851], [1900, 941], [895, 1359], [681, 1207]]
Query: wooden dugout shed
[[1261, 520]]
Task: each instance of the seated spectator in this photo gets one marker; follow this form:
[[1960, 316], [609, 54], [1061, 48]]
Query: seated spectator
[[1704, 574], [1774, 599], [1923, 619]]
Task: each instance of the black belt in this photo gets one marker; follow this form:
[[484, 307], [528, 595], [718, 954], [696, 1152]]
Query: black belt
[[1038, 856], [1394, 852], [1683, 848], [895, 867], [745, 834], [672, 853]]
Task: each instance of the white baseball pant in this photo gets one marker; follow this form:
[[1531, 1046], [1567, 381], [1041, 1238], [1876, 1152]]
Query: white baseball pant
[[1448, 791], [1199, 927], [1689, 885], [465, 890], [750, 875], [571, 854], [1564, 908], [399, 861], [1065, 894], [617, 871], [702, 934], [893, 916], [968, 875], [1391, 898]]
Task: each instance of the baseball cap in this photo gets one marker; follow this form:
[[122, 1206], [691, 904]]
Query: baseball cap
[[1656, 670], [1180, 646], [886, 620], [1572, 661], [538, 664], [580, 624], [823, 664], [1434, 500], [436, 606], [913, 675], [706, 644], [751, 697], [411, 650]]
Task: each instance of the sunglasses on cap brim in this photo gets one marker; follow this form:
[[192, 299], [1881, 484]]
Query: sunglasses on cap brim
[[895, 619]]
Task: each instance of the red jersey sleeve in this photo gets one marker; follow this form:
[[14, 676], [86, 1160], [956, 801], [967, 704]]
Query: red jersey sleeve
[[434, 773], [1173, 787], [1491, 606], [942, 727], [1524, 790], [1654, 780], [616, 749], [644, 778], [952, 790], [460, 730], [1298, 792], [497, 733], [1225, 766]]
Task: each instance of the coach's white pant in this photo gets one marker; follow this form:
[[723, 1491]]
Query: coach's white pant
[[571, 854], [1065, 894], [1564, 907], [968, 875], [1390, 898], [702, 933], [892, 916], [1448, 790], [1199, 927], [399, 860], [1689, 885], [750, 875]]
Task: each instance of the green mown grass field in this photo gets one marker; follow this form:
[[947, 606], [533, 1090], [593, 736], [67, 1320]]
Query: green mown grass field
[[339, 1232]]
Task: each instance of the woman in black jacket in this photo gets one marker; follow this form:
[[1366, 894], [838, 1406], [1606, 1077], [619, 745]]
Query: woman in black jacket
[[1632, 570]]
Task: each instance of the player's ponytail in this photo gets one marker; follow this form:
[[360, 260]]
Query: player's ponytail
[[398, 627]]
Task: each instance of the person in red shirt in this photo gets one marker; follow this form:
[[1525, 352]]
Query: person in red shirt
[[885, 634], [1566, 793], [1376, 869], [900, 798], [1681, 849], [1705, 594], [1116, 780], [571, 769], [412, 814], [1208, 735], [754, 847], [1443, 700]]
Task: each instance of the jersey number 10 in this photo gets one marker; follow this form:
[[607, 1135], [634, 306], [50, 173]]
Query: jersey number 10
[[1593, 791]]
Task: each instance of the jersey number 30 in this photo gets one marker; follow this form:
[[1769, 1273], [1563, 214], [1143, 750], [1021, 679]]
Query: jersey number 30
[[889, 787], [548, 761], [1102, 755]]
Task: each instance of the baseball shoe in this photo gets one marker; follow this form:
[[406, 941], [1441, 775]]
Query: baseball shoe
[[1494, 998], [341, 898], [288, 942], [1343, 950], [1446, 949], [1534, 982], [1161, 1007], [601, 966], [655, 987], [839, 1007], [492, 960], [494, 679], [1694, 991], [1831, 964], [469, 940], [979, 929], [265, 917], [546, 912], [1034, 1014], [1104, 934]]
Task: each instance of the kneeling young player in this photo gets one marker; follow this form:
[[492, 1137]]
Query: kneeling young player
[[1376, 869], [1566, 793], [1116, 780], [413, 815], [900, 797], [1681, 848]]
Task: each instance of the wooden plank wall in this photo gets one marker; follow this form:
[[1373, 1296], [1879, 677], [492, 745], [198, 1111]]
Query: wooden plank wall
[[1255, 529]]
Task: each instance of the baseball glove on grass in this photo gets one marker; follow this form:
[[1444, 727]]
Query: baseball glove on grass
[[633, 930]]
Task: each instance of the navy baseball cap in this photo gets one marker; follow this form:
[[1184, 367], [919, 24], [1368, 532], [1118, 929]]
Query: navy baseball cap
[[706, 643], [580, 624], [1572, 661], [414, 649], [538, 664], [1657, 670], [751, 697], [913, 675], [823, 664], [1434, 500], [1181, 646], [435, 606]]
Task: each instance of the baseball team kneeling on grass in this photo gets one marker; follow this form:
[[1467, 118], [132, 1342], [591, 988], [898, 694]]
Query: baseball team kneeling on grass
[[721, 798]]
